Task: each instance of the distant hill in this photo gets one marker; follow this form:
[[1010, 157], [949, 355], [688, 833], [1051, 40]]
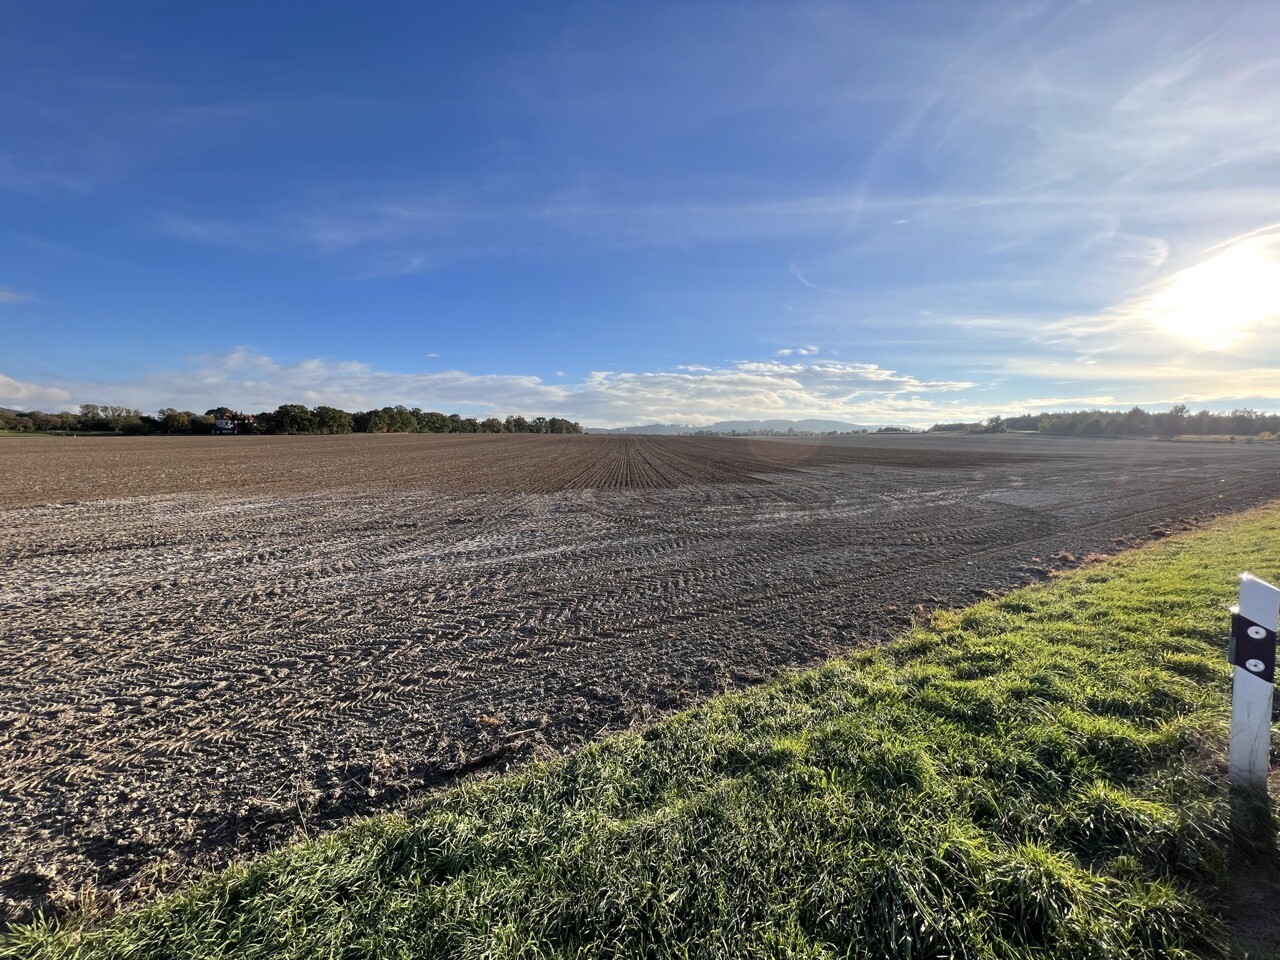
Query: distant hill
[[740, 426]]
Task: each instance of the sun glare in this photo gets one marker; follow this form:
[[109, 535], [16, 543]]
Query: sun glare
[[1216, 303]]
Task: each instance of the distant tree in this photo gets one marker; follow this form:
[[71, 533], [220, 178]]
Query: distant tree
[[370, 421], [92, 417], [132, 425], [1023, 422], [175, 421], [402, 419], [429, 421], [52, 421], [1137, 423], [289, 418], [560, 425], [292, 418], [1173, 423], [331, 420], [1244, 421]]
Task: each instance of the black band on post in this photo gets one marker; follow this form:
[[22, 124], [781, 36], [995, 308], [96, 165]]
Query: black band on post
[[1253, 647]]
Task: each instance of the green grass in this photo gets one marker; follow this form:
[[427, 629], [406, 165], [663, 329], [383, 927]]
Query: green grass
[[1039, 776]]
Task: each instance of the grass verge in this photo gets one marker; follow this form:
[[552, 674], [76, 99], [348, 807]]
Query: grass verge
[[1036, 776]]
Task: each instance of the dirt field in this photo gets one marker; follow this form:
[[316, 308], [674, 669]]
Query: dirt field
[[208, 644], [88, 468]]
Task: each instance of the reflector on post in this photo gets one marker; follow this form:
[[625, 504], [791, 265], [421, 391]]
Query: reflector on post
[[1253, 653]]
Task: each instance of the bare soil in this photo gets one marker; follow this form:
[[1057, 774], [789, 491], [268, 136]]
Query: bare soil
[[212, 644], [40, 470]]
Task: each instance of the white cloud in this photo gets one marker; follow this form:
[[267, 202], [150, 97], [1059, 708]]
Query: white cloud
[[12, 296], [16, 393], [700, 394], [694, 394]]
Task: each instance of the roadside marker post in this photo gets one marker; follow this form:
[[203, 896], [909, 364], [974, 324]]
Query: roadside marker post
[[1253, 653]]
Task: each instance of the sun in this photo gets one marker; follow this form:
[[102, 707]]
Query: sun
[[1216, 303]]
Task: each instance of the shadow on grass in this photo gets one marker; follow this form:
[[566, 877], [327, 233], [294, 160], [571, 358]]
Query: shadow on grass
[[1253, 887]]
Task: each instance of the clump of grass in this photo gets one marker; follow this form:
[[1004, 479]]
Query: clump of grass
[[1035, 776]]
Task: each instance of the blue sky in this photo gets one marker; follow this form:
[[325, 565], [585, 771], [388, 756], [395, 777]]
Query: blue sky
[[624, 213]]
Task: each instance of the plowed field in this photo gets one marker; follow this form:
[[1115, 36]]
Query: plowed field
[[209, 644], [50, 470]]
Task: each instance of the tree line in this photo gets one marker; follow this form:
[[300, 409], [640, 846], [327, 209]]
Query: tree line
[[1136, 422], [289, 418]]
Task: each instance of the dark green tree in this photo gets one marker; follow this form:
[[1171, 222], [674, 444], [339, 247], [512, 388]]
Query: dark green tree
[[292, 418], [331, 420]]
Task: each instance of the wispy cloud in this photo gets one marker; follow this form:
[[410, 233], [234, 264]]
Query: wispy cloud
[[1075, 141], [13, 296], [413, 233]]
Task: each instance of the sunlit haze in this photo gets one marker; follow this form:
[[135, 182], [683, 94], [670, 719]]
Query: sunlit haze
[[1220, 302], [621, 214]]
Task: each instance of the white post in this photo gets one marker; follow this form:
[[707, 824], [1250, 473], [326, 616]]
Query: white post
[[1253, 648]]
